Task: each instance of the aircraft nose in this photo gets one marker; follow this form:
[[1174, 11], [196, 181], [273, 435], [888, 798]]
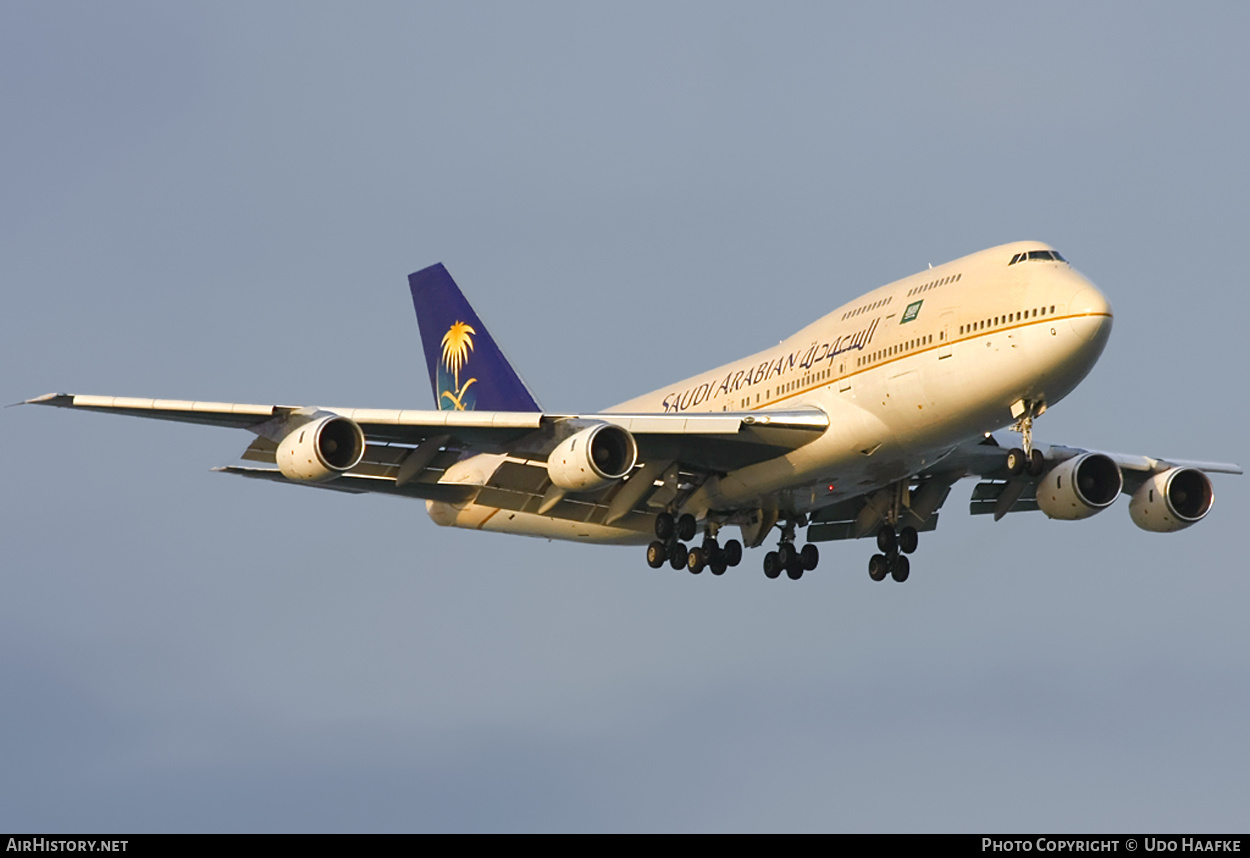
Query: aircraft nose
[[1089, 312]]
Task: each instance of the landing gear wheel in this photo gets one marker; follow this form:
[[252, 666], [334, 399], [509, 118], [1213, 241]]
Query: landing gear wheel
[[733, 552], [657, 553], [696, 559], [878, 567], [908, 540], [787, 554], [686, 527], [1037, 463], [1016, 461], [717, 564], [810, 556], [678, 555], [795, 569], [901, 569], [772, 564], [664, 526], [887, 541]]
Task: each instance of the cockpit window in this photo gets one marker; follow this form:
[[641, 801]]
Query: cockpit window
[[1037, 256]]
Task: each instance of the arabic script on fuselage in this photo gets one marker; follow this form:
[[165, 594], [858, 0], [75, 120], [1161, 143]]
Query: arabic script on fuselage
[[816, 353]]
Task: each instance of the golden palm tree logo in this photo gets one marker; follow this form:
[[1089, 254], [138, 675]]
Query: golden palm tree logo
[[456, 347]]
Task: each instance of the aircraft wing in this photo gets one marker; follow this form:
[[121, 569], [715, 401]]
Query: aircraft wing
[[998, 492], [710, 442]]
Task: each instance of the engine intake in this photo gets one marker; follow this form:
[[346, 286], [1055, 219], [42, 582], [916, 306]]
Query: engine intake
[[1080, 487], [592, 458], [321, 449], [1172, 500]]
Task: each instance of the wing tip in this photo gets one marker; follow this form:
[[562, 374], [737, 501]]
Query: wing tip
[[47, 399]]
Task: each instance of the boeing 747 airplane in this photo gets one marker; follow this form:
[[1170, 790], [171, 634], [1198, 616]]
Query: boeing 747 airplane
[[856, 426]]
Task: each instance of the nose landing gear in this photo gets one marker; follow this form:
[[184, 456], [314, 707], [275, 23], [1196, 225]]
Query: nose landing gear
[[1028, 460]]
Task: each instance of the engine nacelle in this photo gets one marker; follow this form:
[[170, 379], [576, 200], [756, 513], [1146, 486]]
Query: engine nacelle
[[1080, 487], [593, 458], [1172, 500], [321, 449]]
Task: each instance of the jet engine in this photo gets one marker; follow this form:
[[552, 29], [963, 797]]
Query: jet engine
[[593, 458], [1172, 500], [1080, 487], [321, 449]]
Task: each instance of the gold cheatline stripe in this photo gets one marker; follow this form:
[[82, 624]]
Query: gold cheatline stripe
[[965, 339]]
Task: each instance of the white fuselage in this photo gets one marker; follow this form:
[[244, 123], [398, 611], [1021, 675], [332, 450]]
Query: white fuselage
[[905, 373]]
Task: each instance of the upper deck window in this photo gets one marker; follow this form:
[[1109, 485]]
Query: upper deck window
[[1037, 256]]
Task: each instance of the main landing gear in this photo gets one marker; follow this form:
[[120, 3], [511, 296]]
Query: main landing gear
[[672, 532], [789, 559], [894, 546]]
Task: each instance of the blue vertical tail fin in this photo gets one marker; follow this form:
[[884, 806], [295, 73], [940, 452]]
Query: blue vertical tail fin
[[468, 371]]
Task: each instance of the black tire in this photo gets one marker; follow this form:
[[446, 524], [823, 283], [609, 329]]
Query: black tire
[[664, 526], [657, 553], [908, 540], [717, 564], [1037, 463], [1016, 461], [786, 554], [887, 540], [772, 564], [733, 552], [678, 555], [696, 559], [878, 567], [810, 556], [686, 526], [900, 569], [795, 569]]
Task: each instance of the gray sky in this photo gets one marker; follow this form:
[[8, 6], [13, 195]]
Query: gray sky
[[221, 201]]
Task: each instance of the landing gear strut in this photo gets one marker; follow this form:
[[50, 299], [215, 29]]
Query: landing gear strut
[[893, 542], [1028, 460]]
